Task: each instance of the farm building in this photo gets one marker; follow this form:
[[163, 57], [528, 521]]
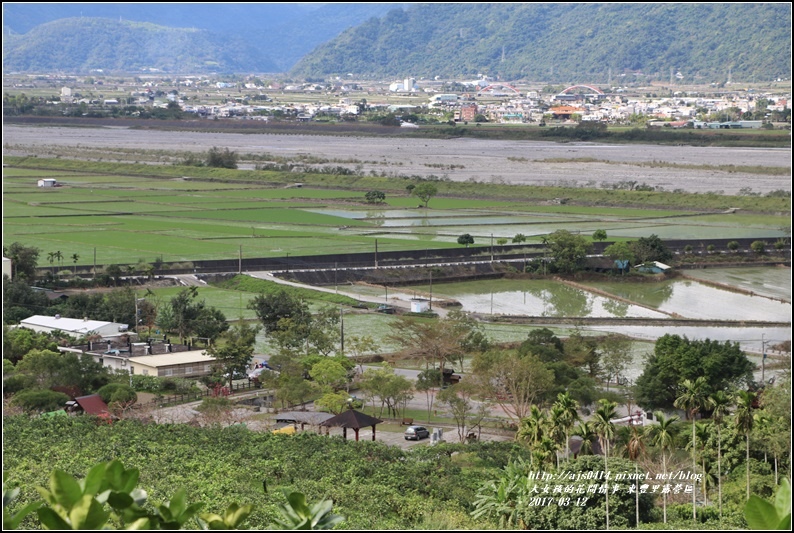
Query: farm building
[[654, 267], [72, 326], [190, 364], [420, 305], [48, 182]]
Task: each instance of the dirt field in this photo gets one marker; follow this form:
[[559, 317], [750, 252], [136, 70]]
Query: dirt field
[[488, 161]]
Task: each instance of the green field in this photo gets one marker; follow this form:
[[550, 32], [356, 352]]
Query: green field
[[135, 215]]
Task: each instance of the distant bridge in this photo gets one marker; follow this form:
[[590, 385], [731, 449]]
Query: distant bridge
[[492, 88], [595, 90]]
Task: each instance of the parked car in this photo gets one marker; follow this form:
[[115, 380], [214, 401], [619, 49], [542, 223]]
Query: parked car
[[416, 433], [254, 374], [383, 308], [236, 375]]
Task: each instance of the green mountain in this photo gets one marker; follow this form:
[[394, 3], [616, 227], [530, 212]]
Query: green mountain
[[81, 44], [280, 32], [579, 42]]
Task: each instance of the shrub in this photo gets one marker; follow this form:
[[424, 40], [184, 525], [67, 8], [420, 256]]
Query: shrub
[[218, 158], [40, 401], [117, 392]]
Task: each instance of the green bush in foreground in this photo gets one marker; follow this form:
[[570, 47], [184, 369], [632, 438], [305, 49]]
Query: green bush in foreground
[[109, 498]]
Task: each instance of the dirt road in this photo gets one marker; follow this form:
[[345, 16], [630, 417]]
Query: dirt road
[[462, 159]]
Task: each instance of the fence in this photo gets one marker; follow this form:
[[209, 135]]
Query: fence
[[222, 390]]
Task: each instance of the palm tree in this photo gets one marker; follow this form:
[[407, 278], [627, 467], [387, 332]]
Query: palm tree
[[75, 259], [719, 403], [532, 428], [585, 430], [692, 398], [59, 257], [603, 426], [557, 431], [568, 416], [636, 448], [744, 423], [662, 436], [51, 259], [702, 433]]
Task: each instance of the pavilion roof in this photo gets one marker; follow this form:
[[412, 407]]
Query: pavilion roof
[[351, 419]]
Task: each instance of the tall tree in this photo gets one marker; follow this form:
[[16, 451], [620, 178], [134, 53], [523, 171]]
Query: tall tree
[[569, 415], [425, 191], [515, 382], [427, 381], [615, 355], [662, 435], [436, 343], [568, 251], [620, 251], [604, 427], [676, 358], [636, 448], [651, 248], [235, 350], [693, 397], [24, 260], [281, 304], [743, 419], [719, 403]]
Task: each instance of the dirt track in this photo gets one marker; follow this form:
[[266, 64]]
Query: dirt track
[[519, 162]]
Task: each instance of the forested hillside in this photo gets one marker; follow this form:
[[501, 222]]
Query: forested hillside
[[82, 44], [566, 42], [275, 35]]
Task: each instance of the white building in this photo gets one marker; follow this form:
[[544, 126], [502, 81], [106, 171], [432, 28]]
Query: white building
[[73, 326], [191, 364], [6, 267], [420, 305], [48, 182]]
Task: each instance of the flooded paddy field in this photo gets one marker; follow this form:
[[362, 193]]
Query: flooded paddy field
[[690, 299], [771, 282]]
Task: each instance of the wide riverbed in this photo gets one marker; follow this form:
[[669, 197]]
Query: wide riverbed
[[462, 159]]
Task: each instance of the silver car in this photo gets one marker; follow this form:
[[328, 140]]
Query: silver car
[[416, 433]]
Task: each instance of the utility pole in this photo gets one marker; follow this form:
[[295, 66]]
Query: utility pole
[[240, 260], [431, 289], [341, 331], [763, 359]]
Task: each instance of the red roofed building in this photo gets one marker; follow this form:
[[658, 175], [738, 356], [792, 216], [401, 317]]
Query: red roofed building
[[91, 405]]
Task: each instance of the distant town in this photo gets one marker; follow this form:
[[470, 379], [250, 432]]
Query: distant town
[[412, 102]]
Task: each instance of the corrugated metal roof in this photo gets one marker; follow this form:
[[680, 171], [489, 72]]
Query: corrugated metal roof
[[75, 325], [169, 359], [92, 404]]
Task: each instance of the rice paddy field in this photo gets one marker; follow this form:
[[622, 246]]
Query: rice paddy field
[[128, 219]]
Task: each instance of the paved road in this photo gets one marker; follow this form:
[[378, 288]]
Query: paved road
[[395, 302]]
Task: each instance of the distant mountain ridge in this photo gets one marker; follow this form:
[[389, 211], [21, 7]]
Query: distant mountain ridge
[[565, 42], [84, 44], [553, 42], [242, 37]]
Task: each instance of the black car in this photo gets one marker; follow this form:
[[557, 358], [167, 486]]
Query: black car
[[416, 433]]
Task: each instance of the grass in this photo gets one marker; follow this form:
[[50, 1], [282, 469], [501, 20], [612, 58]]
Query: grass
[[256, 286], [143, 213], [674, 200]]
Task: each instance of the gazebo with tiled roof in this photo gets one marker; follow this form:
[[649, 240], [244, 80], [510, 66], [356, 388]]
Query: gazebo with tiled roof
[[352, 419]]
